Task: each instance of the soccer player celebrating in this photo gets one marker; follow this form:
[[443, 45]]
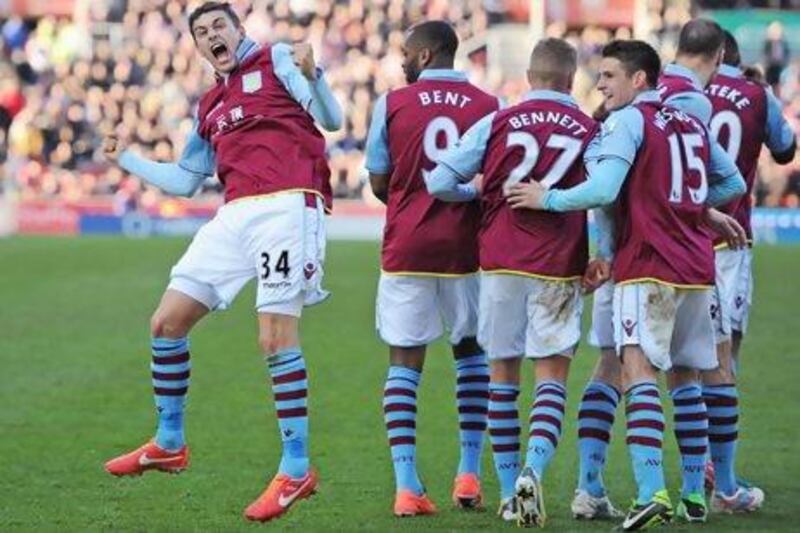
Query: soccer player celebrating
[[682, 89], [531, 264], [429, 258], [701, 46], [255, 129], [663, 265], [739, 106]]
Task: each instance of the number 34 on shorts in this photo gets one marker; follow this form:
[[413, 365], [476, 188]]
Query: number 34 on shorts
[[275, 273]]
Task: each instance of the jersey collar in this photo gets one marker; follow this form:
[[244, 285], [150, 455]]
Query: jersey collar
[[554, 96], [647, 96], [446, 74], [247, 47], [730, 71], [674, 69]]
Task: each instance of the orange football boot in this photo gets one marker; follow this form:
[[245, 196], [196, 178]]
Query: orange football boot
[[281, 493], [467, 491], [406, 503], [149, 457]]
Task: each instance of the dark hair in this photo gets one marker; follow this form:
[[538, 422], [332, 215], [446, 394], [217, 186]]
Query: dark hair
[[731, 56], [437, 35], [634, 56], [213, 6], [700, 37]]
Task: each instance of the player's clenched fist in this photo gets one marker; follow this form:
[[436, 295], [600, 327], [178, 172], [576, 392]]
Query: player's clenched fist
[[598, 271], [303, 56], [112, 147]]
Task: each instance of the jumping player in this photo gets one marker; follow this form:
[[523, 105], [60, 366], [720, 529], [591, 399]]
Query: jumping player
[[255, 129]]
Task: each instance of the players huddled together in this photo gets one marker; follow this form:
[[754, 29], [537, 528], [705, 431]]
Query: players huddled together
[[486, 237]]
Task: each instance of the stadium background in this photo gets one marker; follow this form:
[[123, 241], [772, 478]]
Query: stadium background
[[71, 70], [73, 314]]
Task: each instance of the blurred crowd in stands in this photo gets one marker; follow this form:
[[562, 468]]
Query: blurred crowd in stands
[[130, 65]]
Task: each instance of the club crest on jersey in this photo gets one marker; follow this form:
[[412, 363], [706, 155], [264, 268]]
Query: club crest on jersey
[[251, 82]]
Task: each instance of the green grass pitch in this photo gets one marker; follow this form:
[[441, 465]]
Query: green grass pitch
[[75, 390]]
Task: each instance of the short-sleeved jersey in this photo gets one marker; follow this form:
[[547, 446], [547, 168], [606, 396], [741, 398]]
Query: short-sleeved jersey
[[264, 141], [660, 230], [541, 140], [739, 124], [422, 234]]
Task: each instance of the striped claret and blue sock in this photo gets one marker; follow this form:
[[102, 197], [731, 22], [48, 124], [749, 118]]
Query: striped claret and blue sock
[[504, 432], [287, 370], [595, 419], [170, 367], [547, 415], [722, 402], [472, 399], [400, 415], [645, 435], [691, 432]]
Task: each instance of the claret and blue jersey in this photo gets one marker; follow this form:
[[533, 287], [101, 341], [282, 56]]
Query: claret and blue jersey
[[411, 129], [255, 129]]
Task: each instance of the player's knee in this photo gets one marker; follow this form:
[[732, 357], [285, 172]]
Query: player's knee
[[167, 325], [609, 369], [679, 376], [277, 333], [505, 370], [467, 347], [270, 344]]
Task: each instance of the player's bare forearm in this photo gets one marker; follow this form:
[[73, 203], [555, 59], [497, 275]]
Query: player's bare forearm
[[726, 228], [380, 186]]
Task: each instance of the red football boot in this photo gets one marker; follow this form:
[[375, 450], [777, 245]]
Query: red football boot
[[149, 457], [282, 492]]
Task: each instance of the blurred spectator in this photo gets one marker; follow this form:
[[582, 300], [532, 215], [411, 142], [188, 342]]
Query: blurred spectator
[[776, 54]]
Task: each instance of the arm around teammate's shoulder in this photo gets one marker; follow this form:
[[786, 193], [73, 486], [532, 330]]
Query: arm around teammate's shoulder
[[460, 164], [607, 160]]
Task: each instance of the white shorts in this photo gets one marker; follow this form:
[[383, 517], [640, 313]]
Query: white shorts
[[413, 310], [529, 316], [601, 334], [733, 294], [672, 326], [276, 239]]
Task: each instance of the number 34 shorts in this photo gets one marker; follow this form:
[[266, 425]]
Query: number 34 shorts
[[278, 240]]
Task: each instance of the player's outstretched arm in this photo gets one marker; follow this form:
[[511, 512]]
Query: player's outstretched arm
[[296, 68], [178, 179]]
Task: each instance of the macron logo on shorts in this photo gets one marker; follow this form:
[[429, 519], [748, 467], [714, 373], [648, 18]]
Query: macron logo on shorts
[[628, 326], [309, 270]]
